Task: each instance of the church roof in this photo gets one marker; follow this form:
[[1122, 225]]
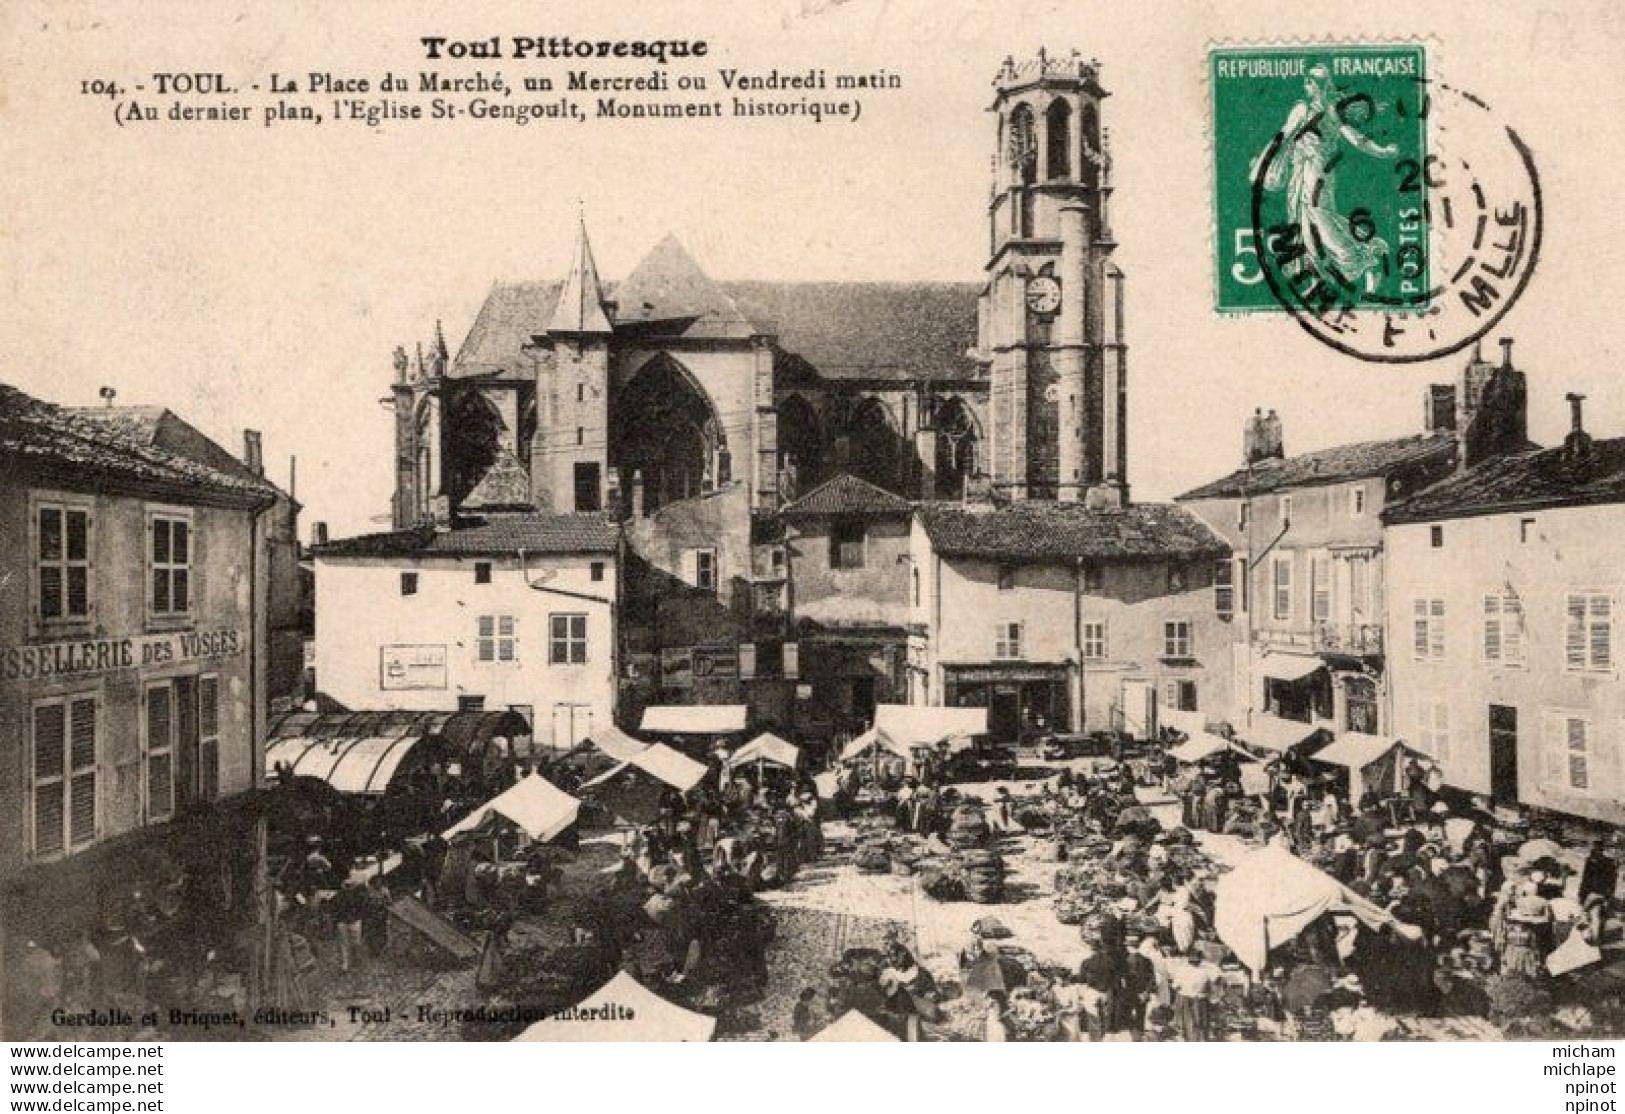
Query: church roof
[[498, 535], [1043, 531], [847, 494], [580, 305], [844, 330], [668, 294]]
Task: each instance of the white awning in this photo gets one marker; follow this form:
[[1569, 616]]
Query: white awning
[[616, 743], [535, 804], [1288, 667], [915, 725], [1280, 735], [623, 1009], [1356, 750], [658, 761], [1199, 746], [769, 748], [854, 1027], [695, 719], [1186, 723]]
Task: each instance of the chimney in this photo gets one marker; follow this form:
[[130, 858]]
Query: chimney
[[1492, 409], [1271, 439], [1577, 445], [253, 456], [318, 533], [1439, 408], [1252, 438]]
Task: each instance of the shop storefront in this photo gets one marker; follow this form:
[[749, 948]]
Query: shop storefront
[[1022, 701]]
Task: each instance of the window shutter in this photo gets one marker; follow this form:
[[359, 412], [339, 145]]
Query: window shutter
[[1492, 628], [1574, 643], [747, 661], [1420, 625], [1436, 631], [1553, 752], [1512, 629], [1602, 632]]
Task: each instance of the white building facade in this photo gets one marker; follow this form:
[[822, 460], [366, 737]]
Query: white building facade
[[518, 612], [1504, 588]]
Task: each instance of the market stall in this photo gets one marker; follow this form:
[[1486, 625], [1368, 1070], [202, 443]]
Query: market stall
[[1272, 895], [1202, 746], [1282, 736], [368, 752], [605, 748], [635, 789], [1372, 762], [766, 749], [532, 804], [623, 1009], [913, 725]]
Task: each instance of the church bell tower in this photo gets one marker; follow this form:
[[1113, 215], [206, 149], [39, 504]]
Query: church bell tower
[[1050, 318]]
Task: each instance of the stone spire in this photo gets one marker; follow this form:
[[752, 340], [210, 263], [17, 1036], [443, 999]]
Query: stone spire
[[580, 307]]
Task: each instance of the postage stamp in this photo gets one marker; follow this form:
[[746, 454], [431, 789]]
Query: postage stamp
[[1319, 160]]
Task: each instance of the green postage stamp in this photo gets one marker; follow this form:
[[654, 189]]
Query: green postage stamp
[[1320, 177]]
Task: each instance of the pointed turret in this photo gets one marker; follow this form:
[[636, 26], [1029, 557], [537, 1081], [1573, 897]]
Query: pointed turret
[[580, 307]]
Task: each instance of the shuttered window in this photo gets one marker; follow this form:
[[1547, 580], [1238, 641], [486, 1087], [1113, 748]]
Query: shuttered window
[[1428, 630], [567, 639], [1503, 629], [1588, 641], [159, 745], [1007, 640], [1320, 580], [208, 719], [63, 794], [1282, 572]]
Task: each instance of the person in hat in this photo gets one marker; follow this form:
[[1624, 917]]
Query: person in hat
[[349, 909], [1599, 881]]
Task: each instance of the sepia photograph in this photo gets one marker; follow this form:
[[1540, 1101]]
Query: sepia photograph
[[815, 521]]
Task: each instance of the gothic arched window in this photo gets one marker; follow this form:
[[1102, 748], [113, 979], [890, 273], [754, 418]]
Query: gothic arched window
[[1023, 146], [1058, 140], [1091, 156]]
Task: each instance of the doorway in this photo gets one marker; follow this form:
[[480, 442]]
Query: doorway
[[1004, 713], [1503, 753]]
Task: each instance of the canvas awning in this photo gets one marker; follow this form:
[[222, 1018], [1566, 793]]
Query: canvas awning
[[614, 742], [694, 719], [915, 725], [1186, 723], [1280, 666], [1277, 734], [854, 1027], [662, 763], [1199, 746], [348, 765], [533, 803], [872, 739], [769, 748], [1356, 750], [1271, 896], [623, 1009]]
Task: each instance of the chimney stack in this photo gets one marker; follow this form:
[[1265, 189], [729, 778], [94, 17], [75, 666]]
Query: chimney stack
[[318, 533], [252, 453], [1439, 414], [1273, 445], [1577, 445], [1506, 352]]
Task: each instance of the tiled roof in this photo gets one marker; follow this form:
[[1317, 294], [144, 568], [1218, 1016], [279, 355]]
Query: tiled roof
[[1524, 481], [846, 494], [1334, 465], [68, 446], [869, 330], [845, 330], [1045, 531], [494, 536], [137, 422]]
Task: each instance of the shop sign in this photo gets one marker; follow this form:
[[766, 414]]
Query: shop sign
[[412, 667], [94, 656]]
